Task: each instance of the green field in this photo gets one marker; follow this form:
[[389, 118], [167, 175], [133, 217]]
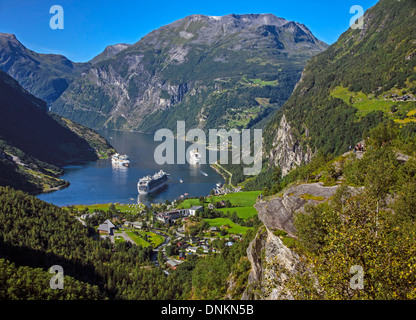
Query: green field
[[132, 208], [235, 229], [242, 212], [367, 103], [238, 199], [154, 239]]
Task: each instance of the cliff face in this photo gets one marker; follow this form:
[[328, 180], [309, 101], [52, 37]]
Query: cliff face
[[287, 152], [271, 260], [264, 250]]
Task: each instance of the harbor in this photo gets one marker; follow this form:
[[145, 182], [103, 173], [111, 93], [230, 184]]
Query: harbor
[[103, 182]]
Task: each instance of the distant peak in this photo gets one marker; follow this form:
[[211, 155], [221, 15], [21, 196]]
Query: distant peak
[[249, 18], [8, 37]]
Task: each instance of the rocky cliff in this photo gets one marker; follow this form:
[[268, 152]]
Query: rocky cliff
[[287, 152], [271, 260]]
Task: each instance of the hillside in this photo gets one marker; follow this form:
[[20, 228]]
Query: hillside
[[211, 72], [365, 78], [33, 145], [45, 76], [351, 87], [329, 207]]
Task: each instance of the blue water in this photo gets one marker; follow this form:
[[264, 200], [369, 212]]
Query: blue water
[[99, 182]]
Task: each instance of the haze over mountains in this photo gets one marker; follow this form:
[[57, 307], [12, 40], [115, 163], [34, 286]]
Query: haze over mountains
[[193, 69]]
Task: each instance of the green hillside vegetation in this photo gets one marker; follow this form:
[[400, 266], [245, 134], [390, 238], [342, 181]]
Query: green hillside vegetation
[[34, 144], [370, 63], [348, 89], [374, 229], [45, 76], [368, 103]]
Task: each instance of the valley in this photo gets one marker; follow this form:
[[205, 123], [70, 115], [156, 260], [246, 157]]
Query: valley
[[337, 187]]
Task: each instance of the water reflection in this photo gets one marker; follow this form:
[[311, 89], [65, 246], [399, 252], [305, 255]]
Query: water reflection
[[119, 174]]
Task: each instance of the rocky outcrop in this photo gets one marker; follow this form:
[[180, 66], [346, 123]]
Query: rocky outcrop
[[277, 213], [271, 260], [287, 151], [266, 278]]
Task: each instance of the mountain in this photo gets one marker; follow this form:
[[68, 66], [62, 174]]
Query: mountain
[[364, 78], [34, 144], [209, 71], [45, 76], [109, 52], [334, 208]]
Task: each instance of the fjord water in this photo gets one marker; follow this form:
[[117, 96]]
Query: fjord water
[[98, 182]]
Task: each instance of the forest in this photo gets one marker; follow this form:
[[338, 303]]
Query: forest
[[36, 235]]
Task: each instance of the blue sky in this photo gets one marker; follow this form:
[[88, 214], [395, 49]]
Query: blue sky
[[89, 26]]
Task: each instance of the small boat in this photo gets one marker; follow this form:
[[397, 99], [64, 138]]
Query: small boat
[[180, 180], [194, 156], [118, 159]]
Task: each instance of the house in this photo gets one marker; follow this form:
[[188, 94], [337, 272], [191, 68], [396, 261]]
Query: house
[[193, 210], [137, 225], [107, 227], [127, 223], [181, 244], [211, 206], [192, 249], [168, 216], [172, 264], [182, 256], [213, 229], [229, 244]]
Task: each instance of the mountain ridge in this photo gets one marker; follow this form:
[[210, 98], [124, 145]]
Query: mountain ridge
[[194, 63]]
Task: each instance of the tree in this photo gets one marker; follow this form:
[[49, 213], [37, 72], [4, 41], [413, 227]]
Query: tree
[[385, 251]]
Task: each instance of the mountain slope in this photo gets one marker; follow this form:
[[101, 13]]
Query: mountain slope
[[209, 71], [353, 85], [109, 52], [45, 76], [32, 144]]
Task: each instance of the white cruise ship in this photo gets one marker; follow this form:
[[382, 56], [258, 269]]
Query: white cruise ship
[[120, 160], [194, 156], [151, 184]]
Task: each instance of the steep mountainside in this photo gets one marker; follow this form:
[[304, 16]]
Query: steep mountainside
[[367, 75], [209, 71], [33, 144], [45, 76]]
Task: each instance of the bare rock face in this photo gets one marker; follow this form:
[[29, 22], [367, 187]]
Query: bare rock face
[[270, 259], [287, 152], [263, 253], [278, 213]]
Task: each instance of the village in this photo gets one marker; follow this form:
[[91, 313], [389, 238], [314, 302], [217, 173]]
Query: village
[[174, 231]]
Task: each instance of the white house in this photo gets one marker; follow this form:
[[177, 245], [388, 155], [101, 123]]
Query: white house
[[193, 210]]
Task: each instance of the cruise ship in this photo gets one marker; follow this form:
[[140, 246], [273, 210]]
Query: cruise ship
[[122, 160], [150, 184], [194, 156]]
